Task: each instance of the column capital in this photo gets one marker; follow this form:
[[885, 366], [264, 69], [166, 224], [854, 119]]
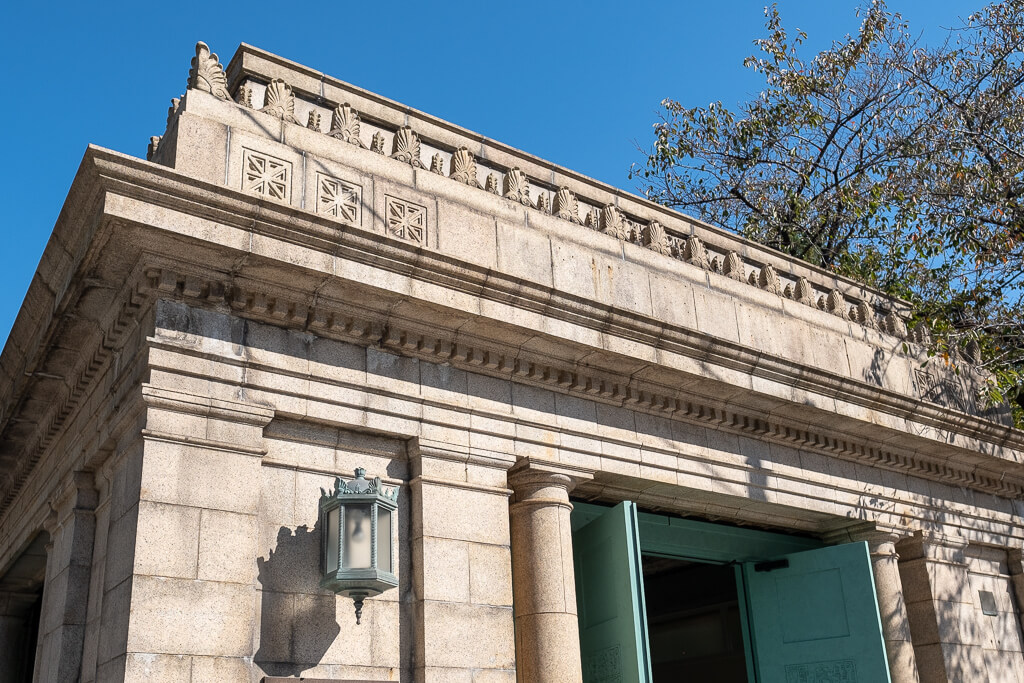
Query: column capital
[[533, 470], [877, 537]]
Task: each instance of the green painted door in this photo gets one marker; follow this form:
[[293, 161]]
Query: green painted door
[[610, 598], [814, 617]]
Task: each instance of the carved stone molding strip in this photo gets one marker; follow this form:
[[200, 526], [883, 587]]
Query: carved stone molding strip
[[491, 360], [67, 401]]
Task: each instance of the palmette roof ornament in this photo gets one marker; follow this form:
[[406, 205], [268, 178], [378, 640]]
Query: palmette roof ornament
[[405, 147], [921, 334], [894, 325], [437, 164], [492, 184], [517, 187], [972, 352], [612, 223], [695, 253], [463, 168], [863, 314], [768, 280], [207, 74], [377, 143], [313, 122], [280, 101], [244, 96], [732, 266], [593, 220], [172, 110], [345, 125], [543, 203], [803, 292], [654, 237], [566, 206], [835, 303]]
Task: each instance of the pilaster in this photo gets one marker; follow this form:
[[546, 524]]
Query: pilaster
[[193, 575], [934, 573], [72, 528], [462, 575]]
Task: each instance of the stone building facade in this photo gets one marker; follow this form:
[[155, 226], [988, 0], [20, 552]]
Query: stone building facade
[[628, 446]]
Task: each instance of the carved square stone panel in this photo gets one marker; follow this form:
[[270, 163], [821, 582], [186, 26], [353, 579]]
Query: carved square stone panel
[[405, 220], [338, 198], [266, 175]]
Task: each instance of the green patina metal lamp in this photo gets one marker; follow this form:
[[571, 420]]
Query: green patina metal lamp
[[357, 522]]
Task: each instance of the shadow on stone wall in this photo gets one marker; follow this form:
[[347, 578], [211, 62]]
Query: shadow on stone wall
[[298, 622]]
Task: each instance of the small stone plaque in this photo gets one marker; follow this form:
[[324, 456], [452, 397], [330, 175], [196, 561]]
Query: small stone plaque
[[988, 603]]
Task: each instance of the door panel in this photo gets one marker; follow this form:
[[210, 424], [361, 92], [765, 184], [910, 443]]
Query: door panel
[[610, 598], [814, 617]]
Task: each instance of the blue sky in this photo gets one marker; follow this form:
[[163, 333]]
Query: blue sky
[[577, 83]]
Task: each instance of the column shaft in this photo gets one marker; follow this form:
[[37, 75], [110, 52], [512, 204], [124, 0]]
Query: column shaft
[[543, 585], [893, 611]]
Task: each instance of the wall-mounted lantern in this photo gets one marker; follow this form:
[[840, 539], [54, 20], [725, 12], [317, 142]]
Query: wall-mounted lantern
[[358, 522]]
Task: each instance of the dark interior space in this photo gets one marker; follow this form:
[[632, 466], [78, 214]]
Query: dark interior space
[[22, 585], [693, 621]]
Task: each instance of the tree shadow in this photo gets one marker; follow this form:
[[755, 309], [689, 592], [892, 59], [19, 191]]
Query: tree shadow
[[298, 621]]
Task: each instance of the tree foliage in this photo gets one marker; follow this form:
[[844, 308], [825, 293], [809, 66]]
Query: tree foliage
[[882, 158]]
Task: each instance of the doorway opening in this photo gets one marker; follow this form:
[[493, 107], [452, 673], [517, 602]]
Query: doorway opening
[[693, 620]]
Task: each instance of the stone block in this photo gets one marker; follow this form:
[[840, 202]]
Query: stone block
[[446, 570], [716, 315], [449, 627], [436, 674], [221, 669], [277, 496], [113, 636], [199, 477], [158, 668], [111, 671], [325, 631], [490, 575], [191, 617], [167, 541], [524, 253], [672, 301], [467, 235], [463, 514], [227, 547], [120, 550], [494, 676], [337, 361], [288, 559], [276, 618]]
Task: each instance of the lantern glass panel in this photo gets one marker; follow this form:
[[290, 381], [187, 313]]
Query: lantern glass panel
[[332, 540], [384, 539], [358, 537]]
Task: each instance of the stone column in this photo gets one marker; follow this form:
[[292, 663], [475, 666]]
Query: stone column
[[543, 584], [893, 609]]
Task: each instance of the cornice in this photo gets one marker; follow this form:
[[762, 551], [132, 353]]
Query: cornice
[[296, 226], [328, 320]]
